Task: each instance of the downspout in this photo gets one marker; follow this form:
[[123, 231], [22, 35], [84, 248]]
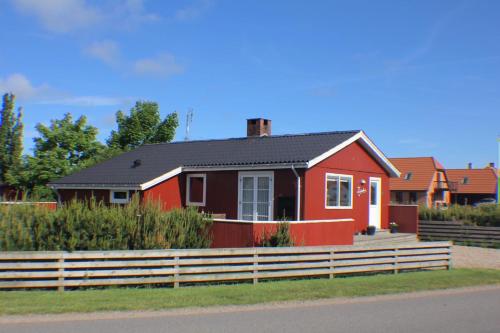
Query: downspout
[[298, 192]]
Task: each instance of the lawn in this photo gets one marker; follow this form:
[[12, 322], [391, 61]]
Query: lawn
[[123, 299]]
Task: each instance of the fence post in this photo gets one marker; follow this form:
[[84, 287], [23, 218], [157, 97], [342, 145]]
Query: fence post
[[60, 271], [332, 265], [176, 272], [255, 267], [396, 269], [449, 256]]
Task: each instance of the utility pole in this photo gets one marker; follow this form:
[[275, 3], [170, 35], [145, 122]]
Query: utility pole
[[189, 120]]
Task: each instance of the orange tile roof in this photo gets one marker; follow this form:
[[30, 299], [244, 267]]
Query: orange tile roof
[[479, 180], [422, 169]]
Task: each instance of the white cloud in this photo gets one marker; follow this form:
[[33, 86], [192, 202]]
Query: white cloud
[[20, 86], [163, 65], [60, 15], [107, 51], [193, 11], [87, 101], [24, 90], [63, 16]]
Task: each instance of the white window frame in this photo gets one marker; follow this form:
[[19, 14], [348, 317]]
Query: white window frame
[[119, 201], [255, 174], [188, 186], [351, 178]]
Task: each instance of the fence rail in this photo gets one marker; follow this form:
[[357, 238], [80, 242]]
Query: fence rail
[[458, 232], [163, 267]]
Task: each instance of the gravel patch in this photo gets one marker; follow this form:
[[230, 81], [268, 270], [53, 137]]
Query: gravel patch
[[475, 257]]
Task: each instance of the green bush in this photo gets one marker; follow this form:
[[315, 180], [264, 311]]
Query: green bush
[[93, 225], [280, 238], [487, 215]]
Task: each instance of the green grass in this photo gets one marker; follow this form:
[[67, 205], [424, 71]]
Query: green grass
[[122, 299]]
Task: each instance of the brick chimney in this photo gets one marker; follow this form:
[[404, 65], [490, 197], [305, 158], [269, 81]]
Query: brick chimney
[[258, 127]]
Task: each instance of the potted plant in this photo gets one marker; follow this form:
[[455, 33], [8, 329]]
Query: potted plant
[[393, 226], [371, 230]]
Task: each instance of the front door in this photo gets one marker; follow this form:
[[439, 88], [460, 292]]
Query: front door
[[255, 196], [375, 202]]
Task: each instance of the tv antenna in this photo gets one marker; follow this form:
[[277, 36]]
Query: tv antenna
[[189, 120]]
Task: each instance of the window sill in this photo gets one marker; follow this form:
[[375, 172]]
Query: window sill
[[338, 207]]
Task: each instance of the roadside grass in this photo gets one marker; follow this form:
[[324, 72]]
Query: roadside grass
[[141, 299]]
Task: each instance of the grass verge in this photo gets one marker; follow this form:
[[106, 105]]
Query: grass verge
[[121, 299]]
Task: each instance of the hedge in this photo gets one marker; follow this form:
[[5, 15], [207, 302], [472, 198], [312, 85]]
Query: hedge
[[93, 225], [487, 215]]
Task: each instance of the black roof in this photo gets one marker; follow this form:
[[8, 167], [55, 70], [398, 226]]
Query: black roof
[[154, 160]]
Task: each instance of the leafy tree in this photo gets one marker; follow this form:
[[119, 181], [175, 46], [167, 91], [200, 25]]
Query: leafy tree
[[62, 148], [142, 126], [11, 141]]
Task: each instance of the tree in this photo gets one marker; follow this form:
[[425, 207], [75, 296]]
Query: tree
[[62, 148], [142, 126], [11, 141], [13, 176]]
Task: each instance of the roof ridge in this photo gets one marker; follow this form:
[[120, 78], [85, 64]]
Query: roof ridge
[[256, 137]]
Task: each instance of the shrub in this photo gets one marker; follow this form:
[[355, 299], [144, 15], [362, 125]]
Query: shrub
[[487, 215], [93, 225], [280, 238]]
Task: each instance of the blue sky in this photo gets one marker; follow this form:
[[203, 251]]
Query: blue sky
[[421, 78]]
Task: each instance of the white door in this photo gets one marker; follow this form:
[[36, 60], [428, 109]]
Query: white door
[[255, 202], [375, 202]]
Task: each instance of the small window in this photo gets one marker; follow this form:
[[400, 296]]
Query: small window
[[119, 197], [465, 181], [196, 190], [408, 176], [413, 197], [399, 197], [338, 191]]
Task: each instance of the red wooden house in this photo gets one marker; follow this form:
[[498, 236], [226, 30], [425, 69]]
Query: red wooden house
[[329, 185]]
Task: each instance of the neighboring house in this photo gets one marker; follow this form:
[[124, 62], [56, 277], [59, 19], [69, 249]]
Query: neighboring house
[[422, 182], [472, 185], [312, 178]]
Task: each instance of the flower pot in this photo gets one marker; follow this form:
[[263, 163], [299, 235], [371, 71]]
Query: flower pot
[[371, 230], [394, 229]]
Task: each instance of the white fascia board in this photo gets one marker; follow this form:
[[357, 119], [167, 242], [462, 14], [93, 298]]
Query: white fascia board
[[157, 180], [368, 144]]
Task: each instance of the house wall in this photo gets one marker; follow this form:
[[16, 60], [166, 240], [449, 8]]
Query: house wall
[[352, 160], [66, 195], [421, 198], [221, 192], [168, 193]]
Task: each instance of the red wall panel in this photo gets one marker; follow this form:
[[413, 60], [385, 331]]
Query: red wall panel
[[406, 216], [232, 234], [352, 160], [167, 192]]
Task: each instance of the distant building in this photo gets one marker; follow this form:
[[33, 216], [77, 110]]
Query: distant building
[[473, 185], [423, 181]]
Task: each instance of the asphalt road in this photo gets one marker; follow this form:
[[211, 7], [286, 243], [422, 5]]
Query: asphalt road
[[468, 310]]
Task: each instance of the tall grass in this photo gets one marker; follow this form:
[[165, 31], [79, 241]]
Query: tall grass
[[487, 215], [93, 225]]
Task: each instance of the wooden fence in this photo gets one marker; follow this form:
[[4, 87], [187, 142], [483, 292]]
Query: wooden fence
[[174, 267], [458, 232]]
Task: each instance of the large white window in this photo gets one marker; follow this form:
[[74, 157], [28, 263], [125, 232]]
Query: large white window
[[196, 189], [119, 196], [255, 196], [338, 191]]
